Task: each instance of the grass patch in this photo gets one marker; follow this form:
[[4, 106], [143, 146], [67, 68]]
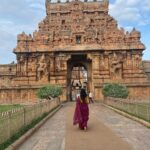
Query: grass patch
[[4, 108], [23, 130], [139, 110]]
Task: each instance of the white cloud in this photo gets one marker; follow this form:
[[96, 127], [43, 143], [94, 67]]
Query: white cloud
[[131, 11], [132, 2], [17, 16], [7, 41]]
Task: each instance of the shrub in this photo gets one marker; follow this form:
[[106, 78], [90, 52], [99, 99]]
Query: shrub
[[49, 91], [115, 90]]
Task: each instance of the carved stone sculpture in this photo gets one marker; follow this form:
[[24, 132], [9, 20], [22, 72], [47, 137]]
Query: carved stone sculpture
[[42, 68], [116, 67]]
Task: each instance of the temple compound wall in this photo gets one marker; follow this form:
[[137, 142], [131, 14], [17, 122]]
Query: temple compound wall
[[76, 34], [146, 65]]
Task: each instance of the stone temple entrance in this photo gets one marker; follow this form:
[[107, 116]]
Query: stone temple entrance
[[75, 35], [79, 75]]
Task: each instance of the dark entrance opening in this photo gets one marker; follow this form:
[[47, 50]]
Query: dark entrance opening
[[79, 75]]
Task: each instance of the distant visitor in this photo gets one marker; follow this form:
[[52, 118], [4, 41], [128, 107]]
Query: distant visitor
[[90, 97]]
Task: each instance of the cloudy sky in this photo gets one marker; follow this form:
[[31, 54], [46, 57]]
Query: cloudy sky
[[24, 15]]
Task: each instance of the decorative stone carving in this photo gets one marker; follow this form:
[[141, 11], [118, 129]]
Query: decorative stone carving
[[116, 67], [31, 65], [89, 56], [102, 63], [129, 61], [137, 61], [21, 67], [57, 64], [42, 68], [66, 21], [63, 63]]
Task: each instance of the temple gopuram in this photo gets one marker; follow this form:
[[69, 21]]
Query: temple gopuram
[[76, 35]]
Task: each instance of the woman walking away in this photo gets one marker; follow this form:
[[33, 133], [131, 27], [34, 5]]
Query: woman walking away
[[81, 114]]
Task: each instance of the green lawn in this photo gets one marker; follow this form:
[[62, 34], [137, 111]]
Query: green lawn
[[140, 110], [4, 108]]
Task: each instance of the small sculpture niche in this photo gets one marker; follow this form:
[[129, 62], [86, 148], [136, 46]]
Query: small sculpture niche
[[42, 68], [78, 39]]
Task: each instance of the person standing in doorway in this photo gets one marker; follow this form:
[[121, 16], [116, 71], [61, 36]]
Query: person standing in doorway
[[81, 114]]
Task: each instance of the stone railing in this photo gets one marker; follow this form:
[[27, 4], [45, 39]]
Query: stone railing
[[12, 121], [138, 108]]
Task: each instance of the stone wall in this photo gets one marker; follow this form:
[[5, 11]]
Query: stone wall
[[139, 91], [28, 94], [22, 94], [7, 73], [136, 92], [146, 65]]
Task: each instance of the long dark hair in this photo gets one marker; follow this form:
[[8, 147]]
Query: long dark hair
[[83, 94]]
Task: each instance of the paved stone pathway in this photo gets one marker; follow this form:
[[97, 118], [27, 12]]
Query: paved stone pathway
[[50, 136], [134, 133], [98, 136], [53, 135]]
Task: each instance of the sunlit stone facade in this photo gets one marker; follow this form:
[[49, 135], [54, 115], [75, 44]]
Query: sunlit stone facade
[[75, 34]]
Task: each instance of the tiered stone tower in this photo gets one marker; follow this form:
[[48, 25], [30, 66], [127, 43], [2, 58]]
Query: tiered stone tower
[[75, 33]]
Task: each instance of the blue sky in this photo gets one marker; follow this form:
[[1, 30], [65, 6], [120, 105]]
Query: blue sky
[[24, 15]]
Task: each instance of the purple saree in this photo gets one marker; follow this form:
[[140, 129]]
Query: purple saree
[[81, 114]]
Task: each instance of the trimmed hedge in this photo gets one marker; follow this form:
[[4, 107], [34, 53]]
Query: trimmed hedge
[[49, 91], [115, 90]]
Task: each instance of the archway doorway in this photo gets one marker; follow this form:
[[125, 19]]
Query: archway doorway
[[79, 75], [78, 80]]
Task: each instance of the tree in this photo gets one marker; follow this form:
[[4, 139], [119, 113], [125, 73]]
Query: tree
[[49, 92]]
